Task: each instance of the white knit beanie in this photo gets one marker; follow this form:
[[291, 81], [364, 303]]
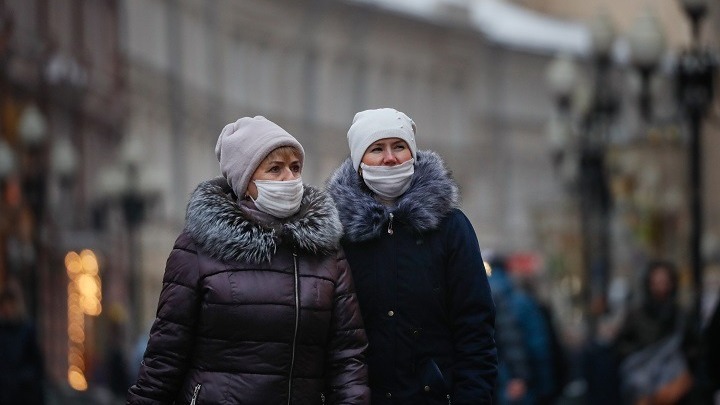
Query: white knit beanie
[[369, 126], [244, 144]]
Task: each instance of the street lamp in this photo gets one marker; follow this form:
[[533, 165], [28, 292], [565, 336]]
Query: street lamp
[[123, 187], [63, 161], [581, 159], [33, 131], [647, 46], [695, 83]]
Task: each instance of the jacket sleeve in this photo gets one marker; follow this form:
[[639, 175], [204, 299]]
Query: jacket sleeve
[[346, 371], [472, 315], [166, 357]]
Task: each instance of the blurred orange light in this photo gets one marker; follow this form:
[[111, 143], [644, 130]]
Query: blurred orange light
[[76, 333], [73, 264], [87, 285], [89, 262], [91, 306], [76, 378], [75, 359]]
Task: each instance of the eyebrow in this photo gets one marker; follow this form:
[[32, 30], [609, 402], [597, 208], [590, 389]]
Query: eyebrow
[[282, 162]]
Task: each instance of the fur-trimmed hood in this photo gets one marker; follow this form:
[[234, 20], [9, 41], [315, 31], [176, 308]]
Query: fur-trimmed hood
[[431, 196], [226, 231]]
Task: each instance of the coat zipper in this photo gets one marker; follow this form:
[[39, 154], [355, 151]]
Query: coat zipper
[[297, 322], [390, 224], [193, 401], [448, 398], [322, 397]]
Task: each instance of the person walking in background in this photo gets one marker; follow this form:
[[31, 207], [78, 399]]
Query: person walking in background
[[657, 342], [599, 363], [21, 360], [527, 353], [416, 261], [258, 304], [513, 367]]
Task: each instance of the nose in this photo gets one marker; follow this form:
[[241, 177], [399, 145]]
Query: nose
[[389, 158], [288, 174]]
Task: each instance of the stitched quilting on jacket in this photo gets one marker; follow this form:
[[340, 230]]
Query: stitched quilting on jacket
[[255, 311]]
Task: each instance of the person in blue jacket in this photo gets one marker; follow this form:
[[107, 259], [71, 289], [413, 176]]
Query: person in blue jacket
[[419, 274]]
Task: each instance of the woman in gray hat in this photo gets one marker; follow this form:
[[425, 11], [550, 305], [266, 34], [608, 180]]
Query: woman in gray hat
[[258, 304], [420, 278]]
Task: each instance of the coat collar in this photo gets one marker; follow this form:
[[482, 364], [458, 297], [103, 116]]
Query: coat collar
[[226, 231], [431, 196]]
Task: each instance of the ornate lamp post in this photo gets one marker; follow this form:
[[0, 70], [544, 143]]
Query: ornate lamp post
[[33, 136], [647, 46], [124, 189], [581, 159], [695, 83]]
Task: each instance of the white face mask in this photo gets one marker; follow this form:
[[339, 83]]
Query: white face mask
[[388, 181], [280, 199]]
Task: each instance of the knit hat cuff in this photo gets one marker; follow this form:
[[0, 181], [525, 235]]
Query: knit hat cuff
[[357, 151], [244, 144]]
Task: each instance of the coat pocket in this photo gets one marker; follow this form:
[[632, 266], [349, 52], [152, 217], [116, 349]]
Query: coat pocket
[[434, 383]]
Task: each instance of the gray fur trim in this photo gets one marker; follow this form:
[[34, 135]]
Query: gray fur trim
[[221, 229], [432, 195]]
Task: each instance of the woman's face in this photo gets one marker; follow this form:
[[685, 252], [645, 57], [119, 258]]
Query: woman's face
[[281, 164], [387, 152]]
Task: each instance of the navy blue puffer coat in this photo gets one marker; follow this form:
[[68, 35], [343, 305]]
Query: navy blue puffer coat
[[422, 287]]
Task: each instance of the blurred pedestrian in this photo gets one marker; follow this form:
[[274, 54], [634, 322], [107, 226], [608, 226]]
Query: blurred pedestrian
[[599, 362], [418, 269], [525, 317], [21, 360], [658, 342], [513, 368], [258, 304]]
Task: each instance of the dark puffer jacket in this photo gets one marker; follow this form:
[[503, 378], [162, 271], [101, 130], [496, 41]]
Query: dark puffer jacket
[[253, 311], [422, 287]]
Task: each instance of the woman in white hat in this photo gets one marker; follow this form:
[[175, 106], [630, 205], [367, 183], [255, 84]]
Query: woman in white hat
[[418, 271], [258, 304]]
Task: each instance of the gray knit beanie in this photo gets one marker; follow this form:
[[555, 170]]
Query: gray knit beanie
[[244, 144], [369, 126]]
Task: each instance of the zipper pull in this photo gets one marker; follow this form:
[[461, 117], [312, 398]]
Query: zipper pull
[[195, 395], [322, 397], [390, 224]]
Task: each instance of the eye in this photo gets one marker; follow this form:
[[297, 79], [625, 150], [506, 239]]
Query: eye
[[400, 147], [296, 168], [376, 149], [274, 169]]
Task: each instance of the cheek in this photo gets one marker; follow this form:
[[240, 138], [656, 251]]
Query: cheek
[[404, 156], [371, 160], [252, 190]]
